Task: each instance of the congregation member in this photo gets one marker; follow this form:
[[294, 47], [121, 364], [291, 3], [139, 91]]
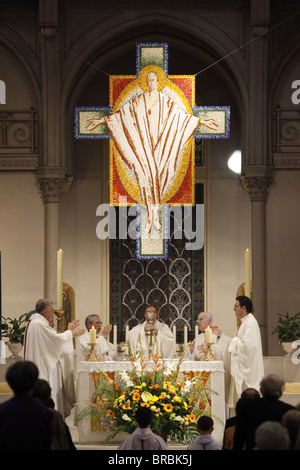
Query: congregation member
[[246, 357], [103, 348], [143, 438], [61, 436], [255, 412], [163, 338], [291, 420], [230, 424], [205, 440], [25, 424], [272, 435], [46, 348]]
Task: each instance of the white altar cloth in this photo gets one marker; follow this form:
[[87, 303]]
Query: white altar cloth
[[83, 392]]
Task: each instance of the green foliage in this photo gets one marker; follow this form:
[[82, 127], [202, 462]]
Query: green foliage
[[288, 328], [14, 328]]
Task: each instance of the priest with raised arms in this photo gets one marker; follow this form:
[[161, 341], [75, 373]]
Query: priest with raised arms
[[46, 348], [162, 337], [103, 348]]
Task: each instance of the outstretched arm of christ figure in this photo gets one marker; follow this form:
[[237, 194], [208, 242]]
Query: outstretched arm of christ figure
[[209, 123], [95, 123]]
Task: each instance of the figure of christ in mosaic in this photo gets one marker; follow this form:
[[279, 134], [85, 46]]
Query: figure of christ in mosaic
[[151, 133]]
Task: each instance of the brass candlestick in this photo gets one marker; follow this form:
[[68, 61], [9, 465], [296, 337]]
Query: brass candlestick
[[92, 356], [208, 356]]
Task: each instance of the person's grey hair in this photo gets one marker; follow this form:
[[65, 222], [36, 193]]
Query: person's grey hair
[[272, 435], [208, 315], [42, 304], [89, 319], [272, 386]]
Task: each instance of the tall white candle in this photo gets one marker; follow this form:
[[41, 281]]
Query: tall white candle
[[126, 333], [196, 331], [174, 334], [59, 292], [93, 335], [208, 335], [247, 272], [115, 335], [185, 334]]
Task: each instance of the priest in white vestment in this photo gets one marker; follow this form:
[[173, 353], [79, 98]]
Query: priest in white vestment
[[246, 357], [150, 132], [47, 348], [219, 348], [162, 337], [103, 348]]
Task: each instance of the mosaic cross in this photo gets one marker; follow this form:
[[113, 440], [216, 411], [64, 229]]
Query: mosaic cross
[[152, 123]]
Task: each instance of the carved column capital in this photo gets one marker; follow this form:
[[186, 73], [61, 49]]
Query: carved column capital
[[51, 189], [258, 187], [256, 180]]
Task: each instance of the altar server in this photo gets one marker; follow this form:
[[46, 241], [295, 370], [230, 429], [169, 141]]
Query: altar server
[[103, 348], [47, 348], [246, 360], [162, 337], [143, 438]]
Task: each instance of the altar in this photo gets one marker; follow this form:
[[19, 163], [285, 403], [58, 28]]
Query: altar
[[213, 370]]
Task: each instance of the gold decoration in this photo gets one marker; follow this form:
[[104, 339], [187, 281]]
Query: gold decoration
[[208, 356], [92, 356]]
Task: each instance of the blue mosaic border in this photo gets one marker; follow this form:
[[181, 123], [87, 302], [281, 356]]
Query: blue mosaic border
[[225, 135], [165, 45], [77, 135]]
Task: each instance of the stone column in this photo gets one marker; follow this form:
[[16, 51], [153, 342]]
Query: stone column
[[257, 182], [52, 166], [257, 168], [51, 189]]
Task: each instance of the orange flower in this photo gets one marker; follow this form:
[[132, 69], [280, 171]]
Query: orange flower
[[168, 407], [146, 404], [126, 405], [110, 413], [136, 397]]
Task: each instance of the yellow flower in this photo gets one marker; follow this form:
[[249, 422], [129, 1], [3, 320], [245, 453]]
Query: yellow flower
[[172, 390], [185, 405], [168, 407], [146, 396], [153, 399], [192, 418], [162, 396], [121, 398], [177, 399]]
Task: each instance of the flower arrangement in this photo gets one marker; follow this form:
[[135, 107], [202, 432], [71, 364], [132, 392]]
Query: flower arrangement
[[174, 399]]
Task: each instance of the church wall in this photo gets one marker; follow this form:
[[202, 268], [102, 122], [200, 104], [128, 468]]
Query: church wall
[[283, 254], [228, 236], [21, 242]]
